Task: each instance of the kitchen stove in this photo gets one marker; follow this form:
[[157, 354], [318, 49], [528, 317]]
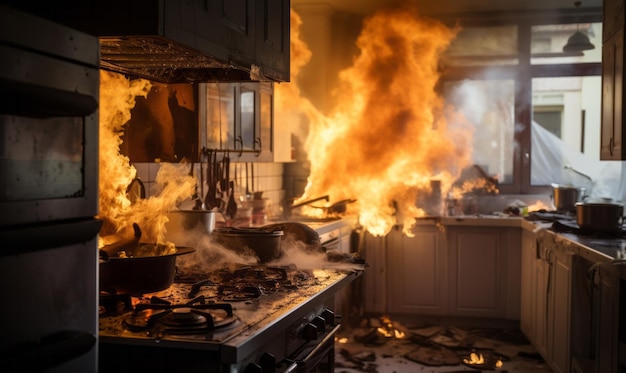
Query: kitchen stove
[[277, 319]]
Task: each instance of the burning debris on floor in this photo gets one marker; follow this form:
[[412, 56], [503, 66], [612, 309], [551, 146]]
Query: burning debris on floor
[[383, 345]]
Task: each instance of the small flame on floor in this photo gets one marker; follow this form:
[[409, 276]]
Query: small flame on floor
[[389, 330], [475, 359]]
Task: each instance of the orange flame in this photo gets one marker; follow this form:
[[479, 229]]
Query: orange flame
[[389, 133], [117, 98]]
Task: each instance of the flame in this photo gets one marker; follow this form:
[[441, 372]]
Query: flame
[[389, 330], [117, 98], [389, 133], [475, 359]]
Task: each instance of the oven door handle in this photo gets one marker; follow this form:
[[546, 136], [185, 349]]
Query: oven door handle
[[315, 356], [49, 351]]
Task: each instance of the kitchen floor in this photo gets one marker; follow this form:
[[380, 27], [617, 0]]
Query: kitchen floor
[[386, 346]]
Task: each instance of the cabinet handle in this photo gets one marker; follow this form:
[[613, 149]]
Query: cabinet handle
[[611, 146], [257, 141]]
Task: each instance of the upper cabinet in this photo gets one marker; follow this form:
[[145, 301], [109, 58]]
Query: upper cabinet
[[612, 135], [182, 41], [238, 118]]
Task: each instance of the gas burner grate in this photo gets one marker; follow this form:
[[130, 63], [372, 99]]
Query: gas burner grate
[[113, 304], [193, 317], [250, 282]]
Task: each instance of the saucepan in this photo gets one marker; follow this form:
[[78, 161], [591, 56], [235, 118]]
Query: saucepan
[[263, 241], [600, 217], [565, 197]]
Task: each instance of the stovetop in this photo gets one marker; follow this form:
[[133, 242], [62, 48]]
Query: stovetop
[[238, 314], [611, 244]]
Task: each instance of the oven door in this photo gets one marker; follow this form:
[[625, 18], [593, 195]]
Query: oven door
[[316, 356], [48, 121]]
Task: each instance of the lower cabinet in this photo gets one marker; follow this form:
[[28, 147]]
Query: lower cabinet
[[546, 298], [484, 271], [455, 271], [417, 280]]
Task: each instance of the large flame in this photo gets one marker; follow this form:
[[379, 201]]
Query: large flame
[[117, 99], [389, 133]]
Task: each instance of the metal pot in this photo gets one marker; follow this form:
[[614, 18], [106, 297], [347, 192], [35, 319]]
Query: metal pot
[[565, 197], [139, 274], [188, 220], [264, 242], [599, 217]]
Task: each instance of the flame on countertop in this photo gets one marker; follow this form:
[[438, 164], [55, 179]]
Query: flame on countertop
[[390, 133]]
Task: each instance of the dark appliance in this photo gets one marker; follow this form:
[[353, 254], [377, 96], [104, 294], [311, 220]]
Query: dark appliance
[[245, 319], [49, 82]]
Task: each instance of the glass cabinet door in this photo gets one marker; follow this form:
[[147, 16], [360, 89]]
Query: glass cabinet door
[[266, 118], [220, 116], [248, 125]]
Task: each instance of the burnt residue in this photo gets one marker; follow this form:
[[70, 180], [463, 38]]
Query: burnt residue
[[162, 60]]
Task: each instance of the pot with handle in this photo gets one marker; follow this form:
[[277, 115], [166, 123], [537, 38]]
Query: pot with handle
[[565, 197], [144, 268], [600, 217]]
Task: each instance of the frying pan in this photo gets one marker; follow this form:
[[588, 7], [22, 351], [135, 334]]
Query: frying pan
[[139, 273]]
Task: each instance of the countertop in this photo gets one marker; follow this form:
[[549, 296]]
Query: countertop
[[595, 248]]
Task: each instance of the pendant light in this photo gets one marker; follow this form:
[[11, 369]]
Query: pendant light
[[578, 41]]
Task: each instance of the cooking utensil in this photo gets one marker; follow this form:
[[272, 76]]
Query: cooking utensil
[[139, 274], [189, 220], [336, 208], [248, 194], [263, 242], [231, 206], [600, 217], [565, 197]]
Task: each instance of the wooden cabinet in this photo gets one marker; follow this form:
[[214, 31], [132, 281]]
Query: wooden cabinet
[[238, 118], [484, 265], [546, 298], [418, 283], [464, 272], [534, 292], [612, 134], [609, 280], [179, 41], [559, 303]]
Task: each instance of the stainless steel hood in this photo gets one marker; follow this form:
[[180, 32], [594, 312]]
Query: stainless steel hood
[[180, 41]]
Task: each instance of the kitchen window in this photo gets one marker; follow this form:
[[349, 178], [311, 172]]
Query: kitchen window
[[525, 86]]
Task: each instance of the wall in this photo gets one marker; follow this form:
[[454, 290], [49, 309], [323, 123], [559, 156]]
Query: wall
[[268, 178]]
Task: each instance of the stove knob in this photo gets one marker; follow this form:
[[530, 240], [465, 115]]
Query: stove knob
[[268, 363], [319, 322], [329, 316], [309, 332]]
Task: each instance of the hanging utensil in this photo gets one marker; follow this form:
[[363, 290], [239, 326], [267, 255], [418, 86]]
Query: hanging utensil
[[231, 206], [248, 194]]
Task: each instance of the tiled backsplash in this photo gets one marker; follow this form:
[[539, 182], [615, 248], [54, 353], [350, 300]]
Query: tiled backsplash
[[268, 178]]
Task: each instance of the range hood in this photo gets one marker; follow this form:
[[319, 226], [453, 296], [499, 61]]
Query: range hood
[[163, 60], [181, 41]]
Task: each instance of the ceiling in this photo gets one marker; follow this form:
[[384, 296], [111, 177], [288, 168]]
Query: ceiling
[[434, 7]]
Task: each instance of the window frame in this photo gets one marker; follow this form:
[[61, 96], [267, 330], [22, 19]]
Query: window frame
[[523, 74]]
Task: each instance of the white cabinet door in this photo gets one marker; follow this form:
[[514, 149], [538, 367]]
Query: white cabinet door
[[373, 250], [418, 282], [479, 272], [559, 311], [529, 255]]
